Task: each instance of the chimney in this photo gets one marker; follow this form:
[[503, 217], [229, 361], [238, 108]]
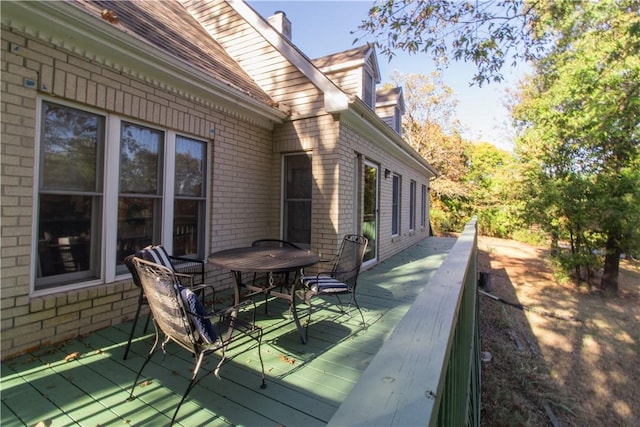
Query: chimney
[[280, 22]]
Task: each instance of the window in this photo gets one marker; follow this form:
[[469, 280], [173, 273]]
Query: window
[[369, 92], [190, 198], [423, 204], [397, 120], [140, 198], [83, 190], [412, 205], [70, 195], [297, 199], [395, 206]]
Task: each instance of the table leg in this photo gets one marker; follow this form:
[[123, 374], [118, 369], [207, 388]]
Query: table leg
[[294, 311], [236, 277]]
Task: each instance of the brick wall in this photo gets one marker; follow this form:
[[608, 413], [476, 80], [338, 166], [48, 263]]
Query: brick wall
[[388, 245], [33, 68]]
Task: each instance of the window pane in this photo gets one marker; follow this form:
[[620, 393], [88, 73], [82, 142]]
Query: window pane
[[395, 206], [423, 207], [140, 159], [64, 234], [70, 144], [186, 223], [299, 177], [298, 222], [190, 158], [297, 202], [412, 205], [136, 224]]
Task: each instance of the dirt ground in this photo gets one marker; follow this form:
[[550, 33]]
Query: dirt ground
[[563, 355]]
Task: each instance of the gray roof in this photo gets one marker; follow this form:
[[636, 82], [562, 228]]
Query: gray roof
[[168, 26]]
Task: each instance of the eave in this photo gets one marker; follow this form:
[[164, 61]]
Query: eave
[[367, 121], [335, 100], [67, 27]]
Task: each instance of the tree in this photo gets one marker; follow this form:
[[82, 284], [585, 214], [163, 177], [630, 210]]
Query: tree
[[492, 179], [580, 141], [487, 33], [430, 126]]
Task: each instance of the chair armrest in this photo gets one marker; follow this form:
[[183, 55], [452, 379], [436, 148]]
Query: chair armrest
[[190, 266]]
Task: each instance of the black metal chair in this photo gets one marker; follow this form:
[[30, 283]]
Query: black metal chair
[[340, 280], [189, 271], [179, 316], [142, 301]]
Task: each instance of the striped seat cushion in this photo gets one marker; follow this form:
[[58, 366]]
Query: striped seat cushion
[[324, 284]]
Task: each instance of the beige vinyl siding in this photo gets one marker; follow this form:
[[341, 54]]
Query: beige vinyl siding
[[268, 67], [350, 81], [387, 113]]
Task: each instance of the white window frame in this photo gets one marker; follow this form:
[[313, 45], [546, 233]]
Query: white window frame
[[412, 205], [423, 212], [113, 123], [396, 210]]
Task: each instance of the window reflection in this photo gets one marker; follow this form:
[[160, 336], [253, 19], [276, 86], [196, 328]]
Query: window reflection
[[64, 234], [69, 197], [297, 203], [190, 197], [139, 204]]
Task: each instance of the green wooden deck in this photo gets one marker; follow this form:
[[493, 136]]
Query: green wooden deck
[[305, 383]]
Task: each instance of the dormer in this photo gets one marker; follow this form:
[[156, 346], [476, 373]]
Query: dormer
[[390, 107], [355, 71]]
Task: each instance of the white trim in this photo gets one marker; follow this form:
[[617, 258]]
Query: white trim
[[363, 119], [378, 167], [168, 190], [60, 22], [111, 192], [36, 199], [335, 100], [106, 270]]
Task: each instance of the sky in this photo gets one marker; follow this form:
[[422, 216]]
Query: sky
[[325, 27]]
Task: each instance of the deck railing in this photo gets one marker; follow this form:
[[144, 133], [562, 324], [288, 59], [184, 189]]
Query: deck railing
[[428, 371]]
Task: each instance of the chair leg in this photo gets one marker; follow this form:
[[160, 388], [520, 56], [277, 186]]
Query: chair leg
[[153, 350], [355, 302], [146, 324], [190, 387], [135, 322]]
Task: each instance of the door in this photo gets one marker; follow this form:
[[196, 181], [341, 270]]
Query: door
[[370, 211]]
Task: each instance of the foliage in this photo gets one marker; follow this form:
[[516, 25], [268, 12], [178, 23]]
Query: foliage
[[487, 33], [580, 134], [492, 180], [430, 127]]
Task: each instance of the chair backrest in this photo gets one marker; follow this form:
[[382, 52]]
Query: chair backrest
[[349, 259], [273, 243], [162, 290], [128, 261], [157, 254]]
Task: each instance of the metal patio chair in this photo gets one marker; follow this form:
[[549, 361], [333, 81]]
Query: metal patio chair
[[340, 280], [142, 301], [189, 271], [179, 316]]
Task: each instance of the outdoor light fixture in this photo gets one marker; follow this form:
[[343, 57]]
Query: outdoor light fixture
[[387, 172]]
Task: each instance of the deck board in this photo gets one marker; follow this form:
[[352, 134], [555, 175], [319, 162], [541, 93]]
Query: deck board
[[305, 383]]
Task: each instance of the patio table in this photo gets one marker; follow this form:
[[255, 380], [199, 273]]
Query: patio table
[[255, 259]]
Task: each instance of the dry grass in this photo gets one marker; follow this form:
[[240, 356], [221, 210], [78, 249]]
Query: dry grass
[[545, 368]]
